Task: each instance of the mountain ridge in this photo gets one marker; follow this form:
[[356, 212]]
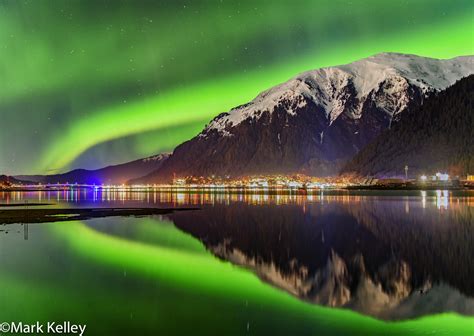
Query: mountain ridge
[[314, 122], [435, 137], [113, 174]]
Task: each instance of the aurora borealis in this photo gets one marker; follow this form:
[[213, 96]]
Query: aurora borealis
[[161, 280], [89, 83]]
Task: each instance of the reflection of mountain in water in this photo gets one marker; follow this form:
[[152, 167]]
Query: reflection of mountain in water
[[391, 259]]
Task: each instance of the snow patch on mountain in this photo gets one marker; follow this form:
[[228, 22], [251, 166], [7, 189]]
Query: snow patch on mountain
[[158, 157]]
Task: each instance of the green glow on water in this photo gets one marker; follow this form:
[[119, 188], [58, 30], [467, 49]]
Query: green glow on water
[[144, 274], [201, 283]]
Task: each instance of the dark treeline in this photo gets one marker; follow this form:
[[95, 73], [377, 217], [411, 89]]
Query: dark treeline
[[437, 136]]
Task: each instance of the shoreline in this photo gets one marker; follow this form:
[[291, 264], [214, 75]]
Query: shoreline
[[5, 205], [409, 188], [29, 216], [243, 191]]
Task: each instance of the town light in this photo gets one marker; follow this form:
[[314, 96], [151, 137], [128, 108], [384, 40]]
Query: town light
[[442, 177]]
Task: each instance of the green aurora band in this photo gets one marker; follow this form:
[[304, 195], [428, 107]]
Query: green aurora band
[[81, 74], [186, 282]]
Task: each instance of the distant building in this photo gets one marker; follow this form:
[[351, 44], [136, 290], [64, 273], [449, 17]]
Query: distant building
[[440, 177], [179, 181]]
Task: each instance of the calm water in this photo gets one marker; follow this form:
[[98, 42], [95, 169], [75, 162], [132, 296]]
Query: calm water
[[247, 264]]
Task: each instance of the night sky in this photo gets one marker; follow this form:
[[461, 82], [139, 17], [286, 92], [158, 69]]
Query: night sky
[[91, 83]]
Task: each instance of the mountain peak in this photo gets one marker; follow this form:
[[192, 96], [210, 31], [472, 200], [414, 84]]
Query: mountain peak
[[316, 121], [326, 87]]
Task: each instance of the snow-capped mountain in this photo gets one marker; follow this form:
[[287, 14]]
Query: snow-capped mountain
[[315, 121], [436, 136], [388, 74]]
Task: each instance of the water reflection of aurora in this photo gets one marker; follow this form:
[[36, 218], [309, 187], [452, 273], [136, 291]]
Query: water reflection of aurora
[[163, 280]]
